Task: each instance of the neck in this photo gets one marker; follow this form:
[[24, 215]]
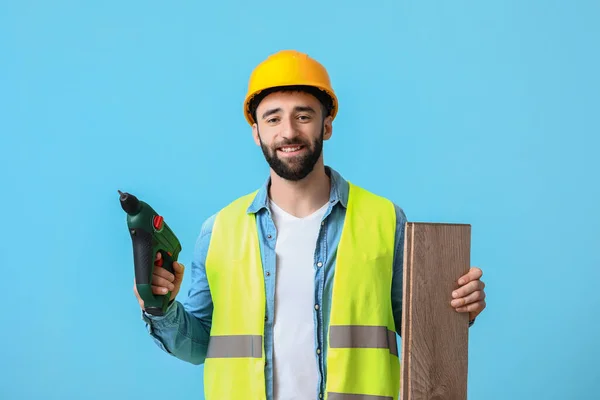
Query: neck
[[303, 197]]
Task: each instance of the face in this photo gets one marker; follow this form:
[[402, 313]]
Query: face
[[291, 129]]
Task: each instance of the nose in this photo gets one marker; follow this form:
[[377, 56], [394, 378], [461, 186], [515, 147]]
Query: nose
[[288, 128]]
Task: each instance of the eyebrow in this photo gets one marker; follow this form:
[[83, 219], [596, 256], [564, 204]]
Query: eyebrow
[[270, 112], [296, 109]]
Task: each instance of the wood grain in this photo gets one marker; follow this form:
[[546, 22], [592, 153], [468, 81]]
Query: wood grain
[[434, 335]]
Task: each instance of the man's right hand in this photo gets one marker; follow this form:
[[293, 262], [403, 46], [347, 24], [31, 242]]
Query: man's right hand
[[163, 280]]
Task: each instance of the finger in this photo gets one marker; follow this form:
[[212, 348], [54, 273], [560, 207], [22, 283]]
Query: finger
[[468, 289], [158, 255], [163, 273], [159, 290], [472, 298], [162, 282], [178, 269], [473, 274], [473, 307]]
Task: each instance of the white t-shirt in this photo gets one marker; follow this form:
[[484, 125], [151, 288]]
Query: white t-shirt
[[294, 358]]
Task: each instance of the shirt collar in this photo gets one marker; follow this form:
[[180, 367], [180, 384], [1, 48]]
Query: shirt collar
[[337, 194]]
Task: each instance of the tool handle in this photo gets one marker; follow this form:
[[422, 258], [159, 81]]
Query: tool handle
[[144, 253], [143, 257]]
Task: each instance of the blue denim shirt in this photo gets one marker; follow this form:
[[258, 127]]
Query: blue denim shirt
[[184, 330]]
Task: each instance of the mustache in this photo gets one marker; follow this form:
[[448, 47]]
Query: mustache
[[290, 142]]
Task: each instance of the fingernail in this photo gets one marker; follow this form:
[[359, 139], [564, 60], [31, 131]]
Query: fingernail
[[164, 290], [454, 294], [461, 281]]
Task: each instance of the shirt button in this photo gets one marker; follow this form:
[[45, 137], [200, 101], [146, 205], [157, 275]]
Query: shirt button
[[319, 264], [268, 273], [316, 306], [320, 395], [269, 236], [318, 351]]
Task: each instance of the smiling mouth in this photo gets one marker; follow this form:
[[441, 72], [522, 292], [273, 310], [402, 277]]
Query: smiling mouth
[[290, 149]]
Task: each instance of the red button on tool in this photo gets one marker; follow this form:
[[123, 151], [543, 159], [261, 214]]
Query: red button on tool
[[158, 222]]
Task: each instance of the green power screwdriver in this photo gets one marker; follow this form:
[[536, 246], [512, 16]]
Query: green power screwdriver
[[149, 235]]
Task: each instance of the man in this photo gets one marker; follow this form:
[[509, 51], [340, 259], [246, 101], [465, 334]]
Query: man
[[292, 284]]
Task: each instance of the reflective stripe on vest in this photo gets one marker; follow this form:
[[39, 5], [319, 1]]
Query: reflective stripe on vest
[[342, 396], [235, 346], [366, 337], [362, 355]]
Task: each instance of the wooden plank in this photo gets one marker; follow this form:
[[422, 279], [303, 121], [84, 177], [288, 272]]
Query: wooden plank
[[434, 335]]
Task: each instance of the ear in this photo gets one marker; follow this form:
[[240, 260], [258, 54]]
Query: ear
[[328, 125], [255, 134]]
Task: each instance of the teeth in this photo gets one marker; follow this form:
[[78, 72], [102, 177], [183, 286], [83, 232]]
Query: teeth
[[289, 149]]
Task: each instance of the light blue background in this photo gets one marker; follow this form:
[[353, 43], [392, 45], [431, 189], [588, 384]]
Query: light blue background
[[481, 112]]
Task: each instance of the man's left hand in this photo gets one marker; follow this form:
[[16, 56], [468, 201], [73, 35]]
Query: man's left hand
[[470, 296]]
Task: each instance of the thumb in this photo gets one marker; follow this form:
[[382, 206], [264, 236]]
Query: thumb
[[178, 270]]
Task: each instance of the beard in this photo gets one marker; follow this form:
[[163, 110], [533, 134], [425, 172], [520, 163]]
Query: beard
[[298, 167]]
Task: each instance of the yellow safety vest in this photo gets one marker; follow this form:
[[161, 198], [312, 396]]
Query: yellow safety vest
[[362, 355]]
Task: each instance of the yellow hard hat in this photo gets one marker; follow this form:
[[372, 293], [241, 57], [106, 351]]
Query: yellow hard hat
[[288, 68]]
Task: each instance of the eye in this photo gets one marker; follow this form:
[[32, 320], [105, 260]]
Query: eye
[[304, 118], [272, 120]]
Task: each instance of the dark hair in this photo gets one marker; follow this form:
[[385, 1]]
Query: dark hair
[[321, 95]]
